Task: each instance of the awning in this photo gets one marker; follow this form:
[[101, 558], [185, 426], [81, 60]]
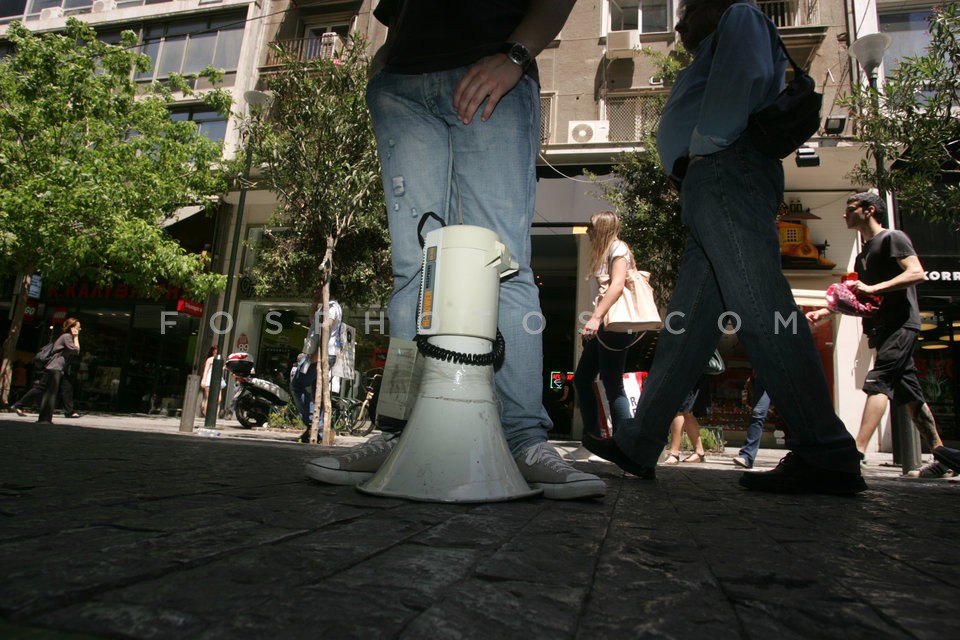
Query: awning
[[181, 214]]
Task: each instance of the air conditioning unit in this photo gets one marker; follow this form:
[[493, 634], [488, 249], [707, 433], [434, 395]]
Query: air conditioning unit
[[583, 131], [51, 12], [99, 6], [623, 44], [330, 45]]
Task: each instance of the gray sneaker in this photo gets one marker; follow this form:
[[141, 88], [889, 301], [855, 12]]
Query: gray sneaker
[[933, 470], [543, 468], [355, 465], [741, 461]]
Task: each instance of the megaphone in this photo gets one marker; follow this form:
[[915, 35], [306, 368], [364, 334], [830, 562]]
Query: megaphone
[[452, 448]]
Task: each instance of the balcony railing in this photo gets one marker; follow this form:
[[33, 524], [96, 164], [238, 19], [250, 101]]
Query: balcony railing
[[306, 49], [791, 13], [633, 118]]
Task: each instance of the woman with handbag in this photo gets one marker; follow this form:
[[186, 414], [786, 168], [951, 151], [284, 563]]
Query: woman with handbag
[[604, 351]]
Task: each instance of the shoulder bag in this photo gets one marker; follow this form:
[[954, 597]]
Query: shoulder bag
[[635, 310]]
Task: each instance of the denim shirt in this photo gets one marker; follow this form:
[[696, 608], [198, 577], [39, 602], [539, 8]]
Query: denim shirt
[[712, 98]]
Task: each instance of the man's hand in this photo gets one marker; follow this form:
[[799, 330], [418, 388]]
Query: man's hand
[[816, 315], [492, 76], [859, 285]]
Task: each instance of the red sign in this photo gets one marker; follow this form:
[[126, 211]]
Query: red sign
[[59, 315], [30, 311], [243, 342], [189, 307], [380, 357]]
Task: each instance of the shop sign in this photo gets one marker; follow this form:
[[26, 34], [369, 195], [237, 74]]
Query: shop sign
[[36, 284], [941, 274], [30, 311], [59, 315], [243, 342], [190, 307], [85, 291]]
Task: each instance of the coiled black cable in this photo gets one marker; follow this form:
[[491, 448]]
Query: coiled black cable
[[431, 350]]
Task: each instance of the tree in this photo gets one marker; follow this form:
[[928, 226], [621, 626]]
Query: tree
[[90, 165], [320, 159], [649, 210], [914, 120]]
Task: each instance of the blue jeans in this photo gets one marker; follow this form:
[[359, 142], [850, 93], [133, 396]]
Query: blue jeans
[[731, 264], [482, 174], [303, 388], [751, 445], [595, 359]]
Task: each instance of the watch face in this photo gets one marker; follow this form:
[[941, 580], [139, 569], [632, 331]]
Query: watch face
[[519, 55]]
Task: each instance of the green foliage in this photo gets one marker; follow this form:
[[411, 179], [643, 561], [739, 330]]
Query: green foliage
[[91, 164], [320, 158], [706, 435], [913, 120], [649, 210], [669, 64], [285, 417]]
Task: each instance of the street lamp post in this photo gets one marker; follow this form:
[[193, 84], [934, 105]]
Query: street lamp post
[[868, 51], [257, 101]]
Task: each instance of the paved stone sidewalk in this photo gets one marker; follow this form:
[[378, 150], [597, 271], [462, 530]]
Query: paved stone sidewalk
[[148, 533]]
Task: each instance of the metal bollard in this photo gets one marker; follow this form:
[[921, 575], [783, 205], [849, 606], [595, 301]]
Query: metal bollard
[[190, 395], [906, 441]]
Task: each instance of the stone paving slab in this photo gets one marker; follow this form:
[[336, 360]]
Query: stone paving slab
[[148, 533]]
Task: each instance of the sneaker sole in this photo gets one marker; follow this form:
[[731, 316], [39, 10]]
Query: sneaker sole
[[335, 476], [758, 482], [572, 490]]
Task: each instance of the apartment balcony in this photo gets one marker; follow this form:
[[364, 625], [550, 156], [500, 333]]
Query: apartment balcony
[[305, 49], [799, 25]]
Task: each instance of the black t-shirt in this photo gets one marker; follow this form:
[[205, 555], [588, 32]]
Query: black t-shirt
[[436, 35], [878, 262]]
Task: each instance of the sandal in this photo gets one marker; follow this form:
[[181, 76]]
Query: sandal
[[696, 457], [672, 458]]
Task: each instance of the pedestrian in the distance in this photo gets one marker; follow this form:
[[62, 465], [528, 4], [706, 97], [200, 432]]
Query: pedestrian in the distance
[[65, 350]]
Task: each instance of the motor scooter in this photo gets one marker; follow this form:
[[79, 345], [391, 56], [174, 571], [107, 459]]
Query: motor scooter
[[255, 398]]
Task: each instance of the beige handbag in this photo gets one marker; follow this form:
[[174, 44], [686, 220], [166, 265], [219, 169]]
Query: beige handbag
[[635, 310]]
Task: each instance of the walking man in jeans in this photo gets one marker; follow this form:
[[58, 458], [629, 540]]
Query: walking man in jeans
[[731, 269], [888, 266], [456, 114]]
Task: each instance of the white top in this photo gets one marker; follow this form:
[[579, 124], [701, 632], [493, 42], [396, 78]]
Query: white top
[[618, 249]]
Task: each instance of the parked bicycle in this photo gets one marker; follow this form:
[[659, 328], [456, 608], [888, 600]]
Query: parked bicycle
[[356, 416]]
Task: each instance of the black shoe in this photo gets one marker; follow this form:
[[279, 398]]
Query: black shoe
[[304, 437], [949, 457], [44, 421], [607, 449], [794, 475]]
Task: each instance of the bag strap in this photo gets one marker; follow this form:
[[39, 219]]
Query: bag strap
[[797, 69]]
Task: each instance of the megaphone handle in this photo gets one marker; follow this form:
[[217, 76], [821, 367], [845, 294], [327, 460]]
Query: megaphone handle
[[423, 221]]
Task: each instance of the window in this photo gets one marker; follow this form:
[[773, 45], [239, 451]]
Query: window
[[910, 31], [189, 46], [212, 125], [647, 16]]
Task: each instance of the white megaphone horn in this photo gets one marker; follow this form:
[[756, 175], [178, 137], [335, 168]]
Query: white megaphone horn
[[452, 448]]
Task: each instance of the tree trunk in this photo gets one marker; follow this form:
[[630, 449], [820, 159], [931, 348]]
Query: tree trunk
[[13, 336], [321, 395], [328, 433]]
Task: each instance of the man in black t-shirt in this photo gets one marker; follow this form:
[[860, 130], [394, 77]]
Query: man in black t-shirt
[[888, 266]]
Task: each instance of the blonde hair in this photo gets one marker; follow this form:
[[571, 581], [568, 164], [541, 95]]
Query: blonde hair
[[604, 231]]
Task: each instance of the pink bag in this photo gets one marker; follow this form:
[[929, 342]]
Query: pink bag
[[842, 299]]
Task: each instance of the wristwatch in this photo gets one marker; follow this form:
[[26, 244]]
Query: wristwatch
[[518, 54]]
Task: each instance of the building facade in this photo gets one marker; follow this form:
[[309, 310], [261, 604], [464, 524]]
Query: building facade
[[600, 98]]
